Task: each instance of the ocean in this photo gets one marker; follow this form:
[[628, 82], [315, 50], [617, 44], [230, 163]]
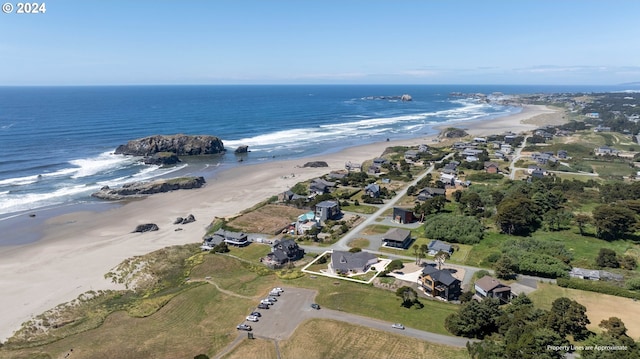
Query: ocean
[[57, 143]]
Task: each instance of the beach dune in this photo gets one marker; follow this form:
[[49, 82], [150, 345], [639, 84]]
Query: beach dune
[[77, 249]]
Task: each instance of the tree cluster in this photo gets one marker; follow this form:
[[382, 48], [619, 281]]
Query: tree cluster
[[453, 228]]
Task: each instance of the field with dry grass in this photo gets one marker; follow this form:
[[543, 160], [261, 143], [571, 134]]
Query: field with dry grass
[[269, 219], [253, 349], [331, 339], [599, 306]]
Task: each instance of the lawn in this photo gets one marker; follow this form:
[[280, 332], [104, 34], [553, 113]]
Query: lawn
[[584, 248], [332, 339], [599, 306], [362, 208], [269, 219], [376, 303], [359, 242], [252, 252]]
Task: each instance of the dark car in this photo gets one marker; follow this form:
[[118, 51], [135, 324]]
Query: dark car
[[315, 306], [244, 327], [263, 306], [256, 314]]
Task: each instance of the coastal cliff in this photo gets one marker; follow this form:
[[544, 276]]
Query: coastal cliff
[[181, 145], [139, 189]]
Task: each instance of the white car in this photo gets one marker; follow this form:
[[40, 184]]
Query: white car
[[277, 289], [274, 293], [272, 299], [266, 301], [397, 326], [252, 318]]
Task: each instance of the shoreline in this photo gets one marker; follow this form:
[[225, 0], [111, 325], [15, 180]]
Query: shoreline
[[77, 248]]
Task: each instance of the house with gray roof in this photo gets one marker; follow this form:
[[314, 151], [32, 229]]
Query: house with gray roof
[[489, 287], [238, 239], [343, 262], [430, 192], [439, 283], [593, 274], [373, 190], [284, 251], [327, 210], [397, 238], [436, 246]]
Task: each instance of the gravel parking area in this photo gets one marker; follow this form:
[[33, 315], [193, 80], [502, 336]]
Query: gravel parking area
[[284, 316]]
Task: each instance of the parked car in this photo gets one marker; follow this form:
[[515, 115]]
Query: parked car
[[252, 318], [266, 301], [315, 306], [244, 327], [397, 326], [277, 289], [272, 299], [263, 306], [256, 314], [274, 293]]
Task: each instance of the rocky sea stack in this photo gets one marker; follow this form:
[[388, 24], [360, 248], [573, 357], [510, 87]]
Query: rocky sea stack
[[140, 189], [181, 145]]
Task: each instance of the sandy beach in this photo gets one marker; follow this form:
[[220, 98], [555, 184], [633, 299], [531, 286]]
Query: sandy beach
[[78, 248]]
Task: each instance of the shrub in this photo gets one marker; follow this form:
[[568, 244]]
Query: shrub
[[633, 284], [628, 262], [596, 286], [452, 228], [395, 265]]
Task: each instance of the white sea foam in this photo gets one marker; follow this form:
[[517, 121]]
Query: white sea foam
[[106, 161], [23, 202]]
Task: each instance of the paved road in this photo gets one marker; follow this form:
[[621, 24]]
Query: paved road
[[294, 307], [516, 157], [342, 243]]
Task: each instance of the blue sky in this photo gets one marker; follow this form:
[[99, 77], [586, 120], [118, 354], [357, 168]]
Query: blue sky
[[110, 42]]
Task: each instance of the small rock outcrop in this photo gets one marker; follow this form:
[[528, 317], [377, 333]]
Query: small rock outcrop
[[190, 218], [162, 159], [242, 149], [316, 164], [406, 97], [180, 145], [148, 227], [141, 189], [452, 132], [178, 220]]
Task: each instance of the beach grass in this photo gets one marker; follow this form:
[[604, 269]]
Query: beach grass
[[318, 338]]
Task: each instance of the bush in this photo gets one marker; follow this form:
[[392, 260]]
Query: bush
[[633, 284], [481, 273], [452, 228], [628, 262], [596, 286], [395, 265]]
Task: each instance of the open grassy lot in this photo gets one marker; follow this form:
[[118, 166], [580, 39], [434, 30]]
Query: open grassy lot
[[197, 321], [269, 219], [362, 208], [584, 248], [253, 349], [359, 242], [252, 252], [599, 306], [331, 339], [376, 303]]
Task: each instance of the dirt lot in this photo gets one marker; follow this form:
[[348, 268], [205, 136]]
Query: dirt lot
[[269, 219]]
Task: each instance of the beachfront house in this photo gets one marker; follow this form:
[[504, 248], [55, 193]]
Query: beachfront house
[[237, 239], [320, 186], [283, 252], [397, 238]]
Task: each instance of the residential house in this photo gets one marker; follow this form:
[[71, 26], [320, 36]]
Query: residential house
[[402, 215], [491, 167], [471, 159], [350, 166], [397, 238], [448, 179], [439, 283], [563, 154], [423, 148], [320, 186], [506, 149], [430, 192], [373, 170], [379, 161], [290, 196], [471, 152], [592, 115], [510, 138], [327, 210], [489, 287], [411, 155], [283, 252], [606, 150], [372, 190], [480, 140], [238, 239], [593, 274], [306, 222], [343, 262], [436, 246]]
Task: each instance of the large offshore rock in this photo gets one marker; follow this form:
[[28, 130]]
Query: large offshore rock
[[140, 189], [181, 145]]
